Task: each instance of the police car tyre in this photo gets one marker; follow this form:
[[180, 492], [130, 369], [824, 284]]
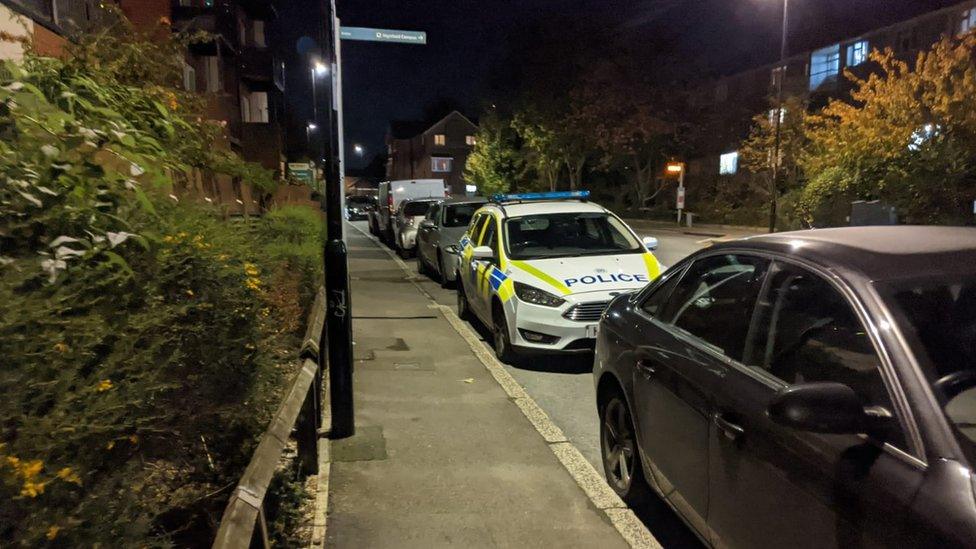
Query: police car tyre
[[463, 311], [500, 339], [619, 452]]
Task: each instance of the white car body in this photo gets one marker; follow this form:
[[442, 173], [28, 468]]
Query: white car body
[[586, 284]]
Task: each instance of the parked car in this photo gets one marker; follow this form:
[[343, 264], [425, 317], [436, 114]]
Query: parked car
[[407, 221], [358, 207], [807, 389], [540, 268], [439, 234], [391, 194]]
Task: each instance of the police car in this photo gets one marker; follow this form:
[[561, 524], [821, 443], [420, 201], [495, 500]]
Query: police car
[[540, 268]]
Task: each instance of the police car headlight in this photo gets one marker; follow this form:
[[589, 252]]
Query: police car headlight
[[530, 294]]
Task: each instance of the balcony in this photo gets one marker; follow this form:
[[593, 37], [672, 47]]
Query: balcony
[[224, 107], [262, 143], [257, 65]]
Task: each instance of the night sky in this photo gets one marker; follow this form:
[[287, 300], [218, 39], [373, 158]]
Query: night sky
[[470, 42]]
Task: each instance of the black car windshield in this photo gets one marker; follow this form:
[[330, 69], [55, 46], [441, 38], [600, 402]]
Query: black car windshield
[[459, 215], [941, 314], [567, 235], [358, 200], [411, 209]]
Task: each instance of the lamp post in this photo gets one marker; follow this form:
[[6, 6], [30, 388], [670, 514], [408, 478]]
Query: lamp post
[[778, 116], [678, 169], [358, 149]]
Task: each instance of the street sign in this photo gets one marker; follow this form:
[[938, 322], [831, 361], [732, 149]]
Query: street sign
[[302, 171], [367, 34], [681, 198]]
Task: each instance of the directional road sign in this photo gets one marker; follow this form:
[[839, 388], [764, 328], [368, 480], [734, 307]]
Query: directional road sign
[[383, 35]]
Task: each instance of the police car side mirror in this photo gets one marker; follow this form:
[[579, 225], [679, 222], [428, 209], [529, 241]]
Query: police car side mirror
[[650, 243], [427, 224], [483, 252]]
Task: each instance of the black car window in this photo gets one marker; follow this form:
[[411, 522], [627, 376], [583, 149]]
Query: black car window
[[459, 215], [433, 212], [807, 331], [654, 303], [939, 318], [715, 299], [416, 208]]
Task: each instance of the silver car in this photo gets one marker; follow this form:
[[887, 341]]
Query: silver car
[[407, 221], [439, 234]]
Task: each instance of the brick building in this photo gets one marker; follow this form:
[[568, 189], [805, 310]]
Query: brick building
[[431, 151]]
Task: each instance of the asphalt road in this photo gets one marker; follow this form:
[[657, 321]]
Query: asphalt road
[[563, 387]]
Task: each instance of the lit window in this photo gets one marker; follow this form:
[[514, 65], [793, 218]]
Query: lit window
[[968, 21], [470, 140], [728, 163], [857, 53], [440, 139], [772, 115], [438, 164], [824, 64], [189, 78]]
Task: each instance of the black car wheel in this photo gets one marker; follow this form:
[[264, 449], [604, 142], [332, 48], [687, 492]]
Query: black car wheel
[[618, 445], [442, 271], [501, 341], [422, 266]]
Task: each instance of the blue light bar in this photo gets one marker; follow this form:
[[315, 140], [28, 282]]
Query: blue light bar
[[526, 197]]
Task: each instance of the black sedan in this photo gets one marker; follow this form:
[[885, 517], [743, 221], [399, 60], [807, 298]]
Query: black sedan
[[806, 389]]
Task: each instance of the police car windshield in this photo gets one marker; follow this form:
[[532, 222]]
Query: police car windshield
[[567, 235]]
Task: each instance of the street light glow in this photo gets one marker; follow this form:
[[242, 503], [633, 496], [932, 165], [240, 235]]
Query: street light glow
[[320, 68], [312, 126], [358, 148]]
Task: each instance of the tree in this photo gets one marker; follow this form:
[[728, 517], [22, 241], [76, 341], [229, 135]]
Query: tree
[[542, 144], [757, 153], [631, 126], [908, 138], [495, 163]]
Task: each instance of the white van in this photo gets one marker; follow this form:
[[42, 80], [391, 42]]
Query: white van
[[392, 193]]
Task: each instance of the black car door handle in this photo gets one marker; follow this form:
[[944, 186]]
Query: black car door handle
[[731, 430], [645, 367]]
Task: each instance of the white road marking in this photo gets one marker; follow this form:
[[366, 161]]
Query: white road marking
[[586, 476]]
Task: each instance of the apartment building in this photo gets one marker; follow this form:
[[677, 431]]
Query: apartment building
[[418, 150], [725, 106], [46, 23]]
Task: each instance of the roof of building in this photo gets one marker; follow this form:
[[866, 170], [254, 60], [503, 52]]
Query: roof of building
[[406, 129], [879, 253]]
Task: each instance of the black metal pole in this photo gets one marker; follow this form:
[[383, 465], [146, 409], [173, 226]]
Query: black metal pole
[[338, 318]]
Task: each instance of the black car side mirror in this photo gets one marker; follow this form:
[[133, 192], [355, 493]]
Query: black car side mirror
[[427, 224], [822, 407]]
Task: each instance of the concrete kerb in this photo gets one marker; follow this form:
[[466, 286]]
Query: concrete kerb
[[586, 476], [321, 511]]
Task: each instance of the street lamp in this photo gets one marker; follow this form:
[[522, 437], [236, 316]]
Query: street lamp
[[677, 169], [359, 150], [320, 69], [309, 128], [781, 70]]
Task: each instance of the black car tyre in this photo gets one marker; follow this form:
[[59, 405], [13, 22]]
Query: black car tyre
[[501, 341], [463, 310], [442, 271], [422, 266], [618, 448]]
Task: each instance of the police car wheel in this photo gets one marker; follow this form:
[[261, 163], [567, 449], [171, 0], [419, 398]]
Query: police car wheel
[[462, 303], [501, 341]]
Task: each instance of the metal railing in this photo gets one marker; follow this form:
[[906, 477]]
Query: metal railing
[[298, 415]]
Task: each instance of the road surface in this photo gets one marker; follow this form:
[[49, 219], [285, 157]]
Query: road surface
[[563, 386]]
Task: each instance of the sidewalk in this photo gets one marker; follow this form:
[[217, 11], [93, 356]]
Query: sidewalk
[[443, 456]]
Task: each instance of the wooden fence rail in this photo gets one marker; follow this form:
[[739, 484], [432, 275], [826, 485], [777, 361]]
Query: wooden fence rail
[[299, 412]]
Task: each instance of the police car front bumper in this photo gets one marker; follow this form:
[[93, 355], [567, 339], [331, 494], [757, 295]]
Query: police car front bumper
[[569, 328]]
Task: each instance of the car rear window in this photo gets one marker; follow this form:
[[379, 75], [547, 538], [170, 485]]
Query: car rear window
[[416, 208]]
